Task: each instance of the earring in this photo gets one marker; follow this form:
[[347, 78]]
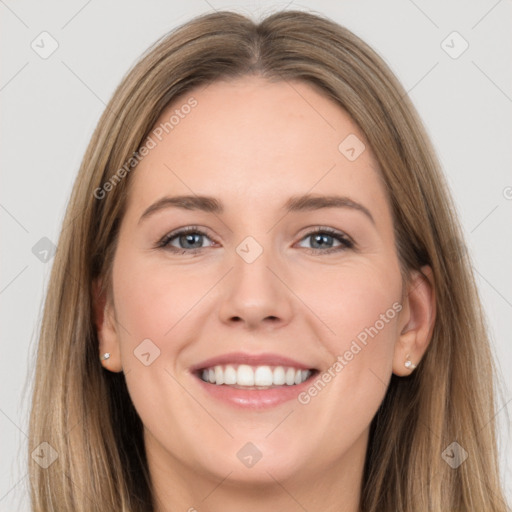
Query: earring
[[106, 355], [409, 364]]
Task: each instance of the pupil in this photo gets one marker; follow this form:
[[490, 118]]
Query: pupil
[[190, 239], [322, 240]]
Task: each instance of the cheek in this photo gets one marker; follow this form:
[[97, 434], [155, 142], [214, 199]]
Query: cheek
[[361, 306], [151, 306], [151, 300], [157, 308], [356, 303]]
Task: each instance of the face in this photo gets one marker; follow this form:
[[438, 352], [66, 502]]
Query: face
[[279, 266]]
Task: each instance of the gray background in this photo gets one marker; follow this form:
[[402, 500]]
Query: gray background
[[51, 105]]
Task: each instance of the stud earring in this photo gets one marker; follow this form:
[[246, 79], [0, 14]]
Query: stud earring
[[106, 355], [409, 364]]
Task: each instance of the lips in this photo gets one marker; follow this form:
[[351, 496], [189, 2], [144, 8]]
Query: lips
[[238, 358], [253, 380]]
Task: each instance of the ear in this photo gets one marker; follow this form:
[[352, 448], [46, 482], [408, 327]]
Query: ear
[[106, 328], [416, 321]]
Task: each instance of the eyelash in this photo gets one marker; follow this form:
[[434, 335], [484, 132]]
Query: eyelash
[[346, 243]]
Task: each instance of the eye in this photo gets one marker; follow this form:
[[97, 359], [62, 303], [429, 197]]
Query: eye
[[189, 239], [327, 240]]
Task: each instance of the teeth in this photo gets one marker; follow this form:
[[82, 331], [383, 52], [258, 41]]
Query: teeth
[[279, 376], [219, 375], [244, 375], [290, 376], [263, 376], [229, 375], [259, 376]]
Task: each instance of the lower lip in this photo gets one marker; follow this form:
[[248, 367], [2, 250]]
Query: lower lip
[[255, 398]]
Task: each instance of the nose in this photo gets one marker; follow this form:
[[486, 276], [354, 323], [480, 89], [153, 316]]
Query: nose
[[256, 295]]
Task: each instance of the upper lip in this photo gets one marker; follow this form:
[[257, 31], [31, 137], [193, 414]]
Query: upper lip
[[266, 359]]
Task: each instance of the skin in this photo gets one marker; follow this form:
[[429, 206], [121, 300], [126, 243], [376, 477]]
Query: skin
[[253, 144]]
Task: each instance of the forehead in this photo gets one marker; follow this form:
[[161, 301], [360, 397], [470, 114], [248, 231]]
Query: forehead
[[254, 142]]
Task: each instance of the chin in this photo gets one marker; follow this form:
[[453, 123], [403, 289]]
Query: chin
[[257, 462]]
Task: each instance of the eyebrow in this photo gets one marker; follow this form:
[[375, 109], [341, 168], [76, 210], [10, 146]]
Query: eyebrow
[[307, 202]]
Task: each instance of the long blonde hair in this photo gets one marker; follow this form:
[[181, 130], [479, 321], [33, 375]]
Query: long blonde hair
[[85, 413]]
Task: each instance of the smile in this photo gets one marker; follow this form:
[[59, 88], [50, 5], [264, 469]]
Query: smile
[[244, 376], [253, 381]]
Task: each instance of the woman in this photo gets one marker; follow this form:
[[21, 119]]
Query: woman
[[261, 298]]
